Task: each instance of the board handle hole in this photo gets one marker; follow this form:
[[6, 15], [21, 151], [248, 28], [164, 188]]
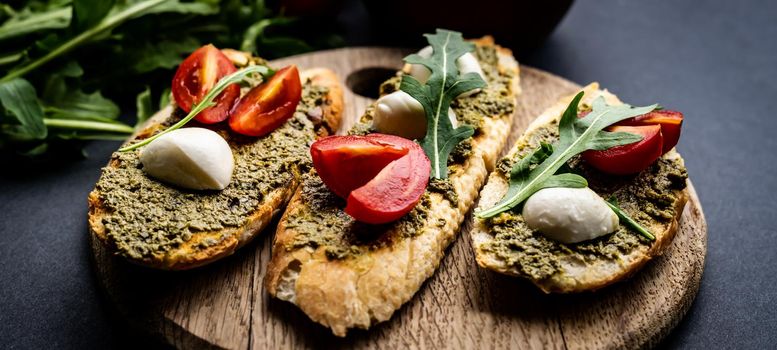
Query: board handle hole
[[366, 81]]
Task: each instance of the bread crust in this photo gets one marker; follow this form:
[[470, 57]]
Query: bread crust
[[191, 254], [366, 289], [575, 276]]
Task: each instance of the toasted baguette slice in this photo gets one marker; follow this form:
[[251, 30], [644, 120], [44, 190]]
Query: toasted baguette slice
[[575, 272], [201, 247], [393, 260]]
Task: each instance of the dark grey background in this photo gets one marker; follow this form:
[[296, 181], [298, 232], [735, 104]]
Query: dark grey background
[[714, 60]]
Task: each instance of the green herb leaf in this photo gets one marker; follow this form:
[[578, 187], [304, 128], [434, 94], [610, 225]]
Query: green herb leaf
[[164, 98], [568, 180], [88, 125], [27, 21], [12, 57], [252, 33], [143, 105], [520, 172], [200, 7], [116, 17], [165, 54], [206, 102], [19, 100], [444, 85], [626, 219], [87, 13], [575, 136], [62, 100]]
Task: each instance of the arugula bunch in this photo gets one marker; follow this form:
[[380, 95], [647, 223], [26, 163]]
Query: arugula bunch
[[444, 85], [67, 65], [539, 169]]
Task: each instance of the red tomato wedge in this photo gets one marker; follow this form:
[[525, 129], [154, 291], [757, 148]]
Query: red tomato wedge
[[196, 75], [631, 158], [671, 122], [346, 163], [381, 176], [267, 106]]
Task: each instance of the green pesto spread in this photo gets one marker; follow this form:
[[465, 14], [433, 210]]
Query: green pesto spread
[[647, 197], [147, 217], [323, 223], [495, 100]]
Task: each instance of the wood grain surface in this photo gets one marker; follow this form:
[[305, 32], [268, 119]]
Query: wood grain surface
[[224, 305]]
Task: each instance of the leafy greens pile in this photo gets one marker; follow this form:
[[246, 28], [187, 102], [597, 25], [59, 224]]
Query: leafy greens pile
[[67, 65], [444, 85]]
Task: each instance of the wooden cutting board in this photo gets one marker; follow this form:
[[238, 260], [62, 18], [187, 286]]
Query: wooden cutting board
[[225, 304]]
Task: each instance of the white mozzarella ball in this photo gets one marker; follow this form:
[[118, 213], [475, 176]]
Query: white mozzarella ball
[[569, 215], [194, 158], [400, 114]]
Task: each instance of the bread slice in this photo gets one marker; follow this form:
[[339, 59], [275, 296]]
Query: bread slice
[[199, 247], [391, 261], [577, 272]]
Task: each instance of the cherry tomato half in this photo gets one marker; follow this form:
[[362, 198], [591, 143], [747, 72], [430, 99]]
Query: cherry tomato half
[[346, 163], [196, 75], [267, 106], [671, 122], [395, 190], [382, 177], [631, 158]]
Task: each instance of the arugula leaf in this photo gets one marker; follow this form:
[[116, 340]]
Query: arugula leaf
[[19, 100], [626, 219], [87, 13], [252, 33], [198, 7], [79, 105], [164, 99], [444, 85], [89, 125], [163, 54], [45, 41], [520, 172], [68, 102], [143, 105], [116, 17], [575, 136], [12, 57], [27, 21]]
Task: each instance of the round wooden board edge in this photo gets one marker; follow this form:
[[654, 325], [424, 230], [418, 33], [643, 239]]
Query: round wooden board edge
[[642, 340]]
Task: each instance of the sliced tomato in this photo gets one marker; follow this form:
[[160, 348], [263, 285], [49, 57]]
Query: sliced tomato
[[196, 75], [670, 121], [631, 158], [394, 191], [346, 163], [382, 177], [267, 106]]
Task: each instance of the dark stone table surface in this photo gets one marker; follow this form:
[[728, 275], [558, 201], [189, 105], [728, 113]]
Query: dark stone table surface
[[714, 60]]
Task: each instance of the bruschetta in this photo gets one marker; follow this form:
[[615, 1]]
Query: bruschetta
[[344, 273], [159, 225], [653, 197]]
